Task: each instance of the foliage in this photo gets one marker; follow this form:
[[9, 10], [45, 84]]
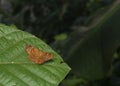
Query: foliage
[[17, 69], [91, 57], [47, 18], [84, 32]]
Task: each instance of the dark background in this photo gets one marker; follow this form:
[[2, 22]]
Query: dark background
[[49, 18]]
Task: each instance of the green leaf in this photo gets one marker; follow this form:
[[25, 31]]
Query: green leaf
[[15, 67], [91, 57]]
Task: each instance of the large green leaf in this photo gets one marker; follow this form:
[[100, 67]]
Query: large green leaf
[[91, 57], [15, 67]]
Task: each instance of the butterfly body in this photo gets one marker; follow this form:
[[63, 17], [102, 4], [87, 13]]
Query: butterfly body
[[38, 56]]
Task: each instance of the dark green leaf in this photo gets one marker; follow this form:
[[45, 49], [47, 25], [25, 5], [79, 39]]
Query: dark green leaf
[[91, 57]]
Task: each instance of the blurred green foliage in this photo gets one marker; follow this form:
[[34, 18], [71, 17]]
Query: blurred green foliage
[[47, 18]]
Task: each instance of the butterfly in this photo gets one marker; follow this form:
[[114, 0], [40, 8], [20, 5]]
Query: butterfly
[[38, 56]]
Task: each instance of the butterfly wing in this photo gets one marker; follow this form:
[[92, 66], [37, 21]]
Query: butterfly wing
[[38, 56]]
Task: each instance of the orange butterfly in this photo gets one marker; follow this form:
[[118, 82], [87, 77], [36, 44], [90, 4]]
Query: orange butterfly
[[38, 56]]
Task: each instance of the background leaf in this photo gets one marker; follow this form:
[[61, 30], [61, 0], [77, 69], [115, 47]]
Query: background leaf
[[17, 69], [91, 57]]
